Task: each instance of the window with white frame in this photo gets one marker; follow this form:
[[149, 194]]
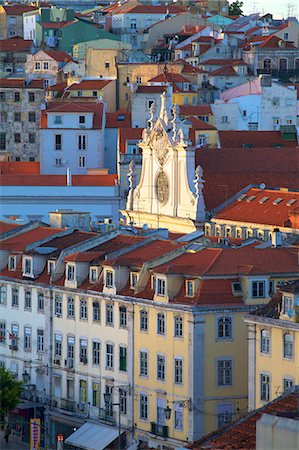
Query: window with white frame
[[82, 138], [70, 351], [109, 278], [93, 274], [143, 363], [83, 309], [51, 267], [201, 140], [161, 367], [70, 308], [12, 263], [40, 341], [160, 287], [83, 351], [143, 406], [265, 387], [96, 312], [37, 65], [178, 326], [58, 305], [3, 295], [109, 356], [15, 297], [70, 272], [122, 316], [27, 304], [143, 320], [27, 339], [288, 383], [178, 370], [46, 65], [178, 417], [133, 279], [224, 328], [161, 323], [58, 345], [96, 353], [40, 302], [258, 289], [288, 345], [265, 341], [189, 288], [287, 305], [224, 372], [109, 314], [27, 266]]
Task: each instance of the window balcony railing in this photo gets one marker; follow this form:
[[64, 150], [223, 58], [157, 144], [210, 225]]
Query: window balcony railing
[[107, 416], [159, 430], [67, 405]]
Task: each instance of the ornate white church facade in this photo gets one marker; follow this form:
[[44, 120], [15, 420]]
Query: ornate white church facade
[[169, 193]]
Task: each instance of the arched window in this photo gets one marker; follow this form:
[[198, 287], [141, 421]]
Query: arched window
[[265, 341], [28, 300], [288, 345], [96, 312], [224, 328]]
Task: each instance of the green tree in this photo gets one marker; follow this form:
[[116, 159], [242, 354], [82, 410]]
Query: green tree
[[235, 8], [10, 391]]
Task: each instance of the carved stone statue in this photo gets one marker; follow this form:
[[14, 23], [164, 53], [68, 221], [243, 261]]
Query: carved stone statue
[[132, 184]]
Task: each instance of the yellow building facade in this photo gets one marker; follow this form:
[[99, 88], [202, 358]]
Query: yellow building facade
[[273, 338]]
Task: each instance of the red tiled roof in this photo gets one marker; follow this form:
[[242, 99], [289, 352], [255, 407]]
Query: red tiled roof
[[20, 242], [126, 134], [198, 124], [227, 171], [241, 434], [85, 85], [117, 243], [236, 139], [188, 68], [58, 180], [16, 44], [83, 256], [261, 209], [59, 56], [19, 167], [60, 87], [118, 119], [17, 10], [223, 62], [55, 25], [150, 89], [66, 106], [5, 226], [169, 77], [227, 71], [271, 41], [195, 110], [20, 83]]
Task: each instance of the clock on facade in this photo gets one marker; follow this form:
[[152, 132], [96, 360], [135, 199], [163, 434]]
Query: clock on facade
[[162, 187]]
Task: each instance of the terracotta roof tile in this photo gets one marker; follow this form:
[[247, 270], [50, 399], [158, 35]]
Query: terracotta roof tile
[[16, 44], [6, 226], [148, 9], [66, 106], [150, 89], [58, 180], [20, 83], [169, 77], [261, 208], [226, 71], [59, 56], [198, 124], [118, 119], [223, 62], [89, 85], [19, 167], [236, 139], [127, 134], [195, 110], [19, 243], [18, 10]]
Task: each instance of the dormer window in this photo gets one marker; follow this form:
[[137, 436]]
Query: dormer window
[[12, 263], [160, 287], [133, 279], [237, 288], [189, 288], [51, 267], [27, 266], [288, 306], [70, 272], [93, 275], [109, 279]]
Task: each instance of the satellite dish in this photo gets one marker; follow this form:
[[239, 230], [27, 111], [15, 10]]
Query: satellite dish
[[262, 186]]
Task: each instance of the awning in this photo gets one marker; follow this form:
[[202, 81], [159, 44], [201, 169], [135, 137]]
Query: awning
[[92, 436]]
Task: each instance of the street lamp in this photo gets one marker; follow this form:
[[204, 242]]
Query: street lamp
[[107, 400], [184, 403]]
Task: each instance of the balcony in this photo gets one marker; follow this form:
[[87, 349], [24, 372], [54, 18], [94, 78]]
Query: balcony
[[282, 75], [107, 415], [159, 430], [67, 405]]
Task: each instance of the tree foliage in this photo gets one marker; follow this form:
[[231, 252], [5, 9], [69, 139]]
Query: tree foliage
[[10, 391], [235, 8]]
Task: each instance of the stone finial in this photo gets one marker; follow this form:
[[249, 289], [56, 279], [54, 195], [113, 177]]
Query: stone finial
[[132, 184], [175, 122], [166, 105], [152, 116], [198, 185]]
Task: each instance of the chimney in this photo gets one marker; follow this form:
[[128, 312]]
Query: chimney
[[276, 238], [68, 177]]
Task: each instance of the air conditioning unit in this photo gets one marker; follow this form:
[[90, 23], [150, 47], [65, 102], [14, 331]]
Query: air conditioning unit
[[57, 361]]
